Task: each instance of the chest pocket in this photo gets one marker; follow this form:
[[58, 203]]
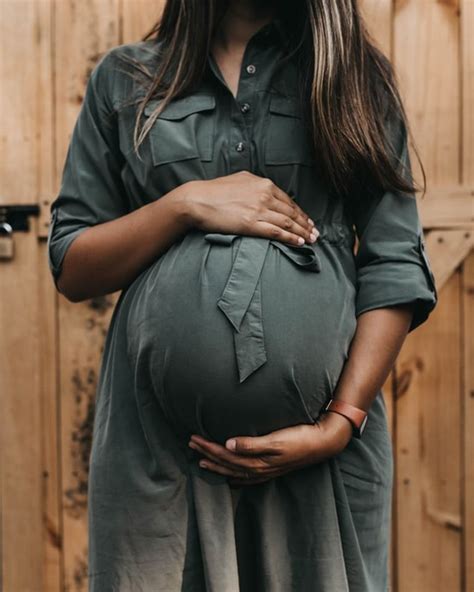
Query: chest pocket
[[287, 139], [185, 129]]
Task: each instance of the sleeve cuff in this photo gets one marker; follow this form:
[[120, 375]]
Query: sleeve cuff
[[390, 283], [57, 247]]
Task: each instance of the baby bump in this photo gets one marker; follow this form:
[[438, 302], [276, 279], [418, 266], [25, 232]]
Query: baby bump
[[242, 335]]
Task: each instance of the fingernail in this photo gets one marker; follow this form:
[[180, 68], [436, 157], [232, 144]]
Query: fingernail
[[192, 445], [203, 465], [310, 221], [230, 444], [300, 240]]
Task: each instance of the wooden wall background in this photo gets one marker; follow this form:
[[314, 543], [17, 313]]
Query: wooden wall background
[[50, 348]]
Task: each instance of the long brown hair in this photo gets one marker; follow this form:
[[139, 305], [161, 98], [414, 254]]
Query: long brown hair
[[350, 85]]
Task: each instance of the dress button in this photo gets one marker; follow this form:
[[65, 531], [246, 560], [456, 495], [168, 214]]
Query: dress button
[[245, 107], [240, 146], [251, 69]]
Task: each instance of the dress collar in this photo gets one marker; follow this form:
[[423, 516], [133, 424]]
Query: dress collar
[[273, 34]]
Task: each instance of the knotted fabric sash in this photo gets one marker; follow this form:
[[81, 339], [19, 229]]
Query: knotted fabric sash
[[241, 299]]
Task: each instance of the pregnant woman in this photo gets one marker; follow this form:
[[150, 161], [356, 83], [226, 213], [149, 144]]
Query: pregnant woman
[[242, 175]]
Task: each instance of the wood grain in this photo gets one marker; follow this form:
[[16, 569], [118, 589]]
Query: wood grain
[[138, 17], [467, 428], [467, 362], [428, 408], [30, 548]]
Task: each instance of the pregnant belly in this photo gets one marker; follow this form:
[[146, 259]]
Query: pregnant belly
[[242, 335]]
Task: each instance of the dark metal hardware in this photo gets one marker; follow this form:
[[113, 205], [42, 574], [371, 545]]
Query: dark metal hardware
[[17, 215]]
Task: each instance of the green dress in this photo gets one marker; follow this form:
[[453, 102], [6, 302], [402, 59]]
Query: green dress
[[233, 335]]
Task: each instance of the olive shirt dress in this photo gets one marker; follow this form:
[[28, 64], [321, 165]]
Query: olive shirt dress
[[233, 335]]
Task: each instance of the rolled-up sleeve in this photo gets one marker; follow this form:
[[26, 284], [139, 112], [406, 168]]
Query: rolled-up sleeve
[[392, 264], [91, 190]]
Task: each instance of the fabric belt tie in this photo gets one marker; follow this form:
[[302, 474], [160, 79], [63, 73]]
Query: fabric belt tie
[[241, 298]]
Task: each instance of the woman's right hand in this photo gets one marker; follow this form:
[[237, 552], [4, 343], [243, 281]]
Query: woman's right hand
[[244, 203]]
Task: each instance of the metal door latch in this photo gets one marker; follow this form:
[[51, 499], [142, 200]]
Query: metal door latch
[[14, 218]]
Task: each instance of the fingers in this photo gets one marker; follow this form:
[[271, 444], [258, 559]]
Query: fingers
[[291, 206], [277, 209], [275, 232], [223, 469], [271, 212], [216, 458], [253, 445], [293, 212], [221, 455], [295, 233]]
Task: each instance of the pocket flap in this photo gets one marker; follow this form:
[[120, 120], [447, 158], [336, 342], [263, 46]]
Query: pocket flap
[[284, 106], [179, 108]]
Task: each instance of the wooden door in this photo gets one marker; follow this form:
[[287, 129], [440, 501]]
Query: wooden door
[[50, 348]]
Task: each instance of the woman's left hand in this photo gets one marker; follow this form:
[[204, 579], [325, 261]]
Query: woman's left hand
[[260, 458]]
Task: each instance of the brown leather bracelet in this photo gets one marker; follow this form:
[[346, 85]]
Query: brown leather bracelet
[[357, 417]]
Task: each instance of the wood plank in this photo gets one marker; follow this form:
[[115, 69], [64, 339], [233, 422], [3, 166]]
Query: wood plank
[[467, 69], [427, 60], [452, 207], [83, 31], [426, 51], [22, 496], [377, 15], [19, 132], [467, 176], [47, 307], [446, 250], [428, 450], [138, 17], [44, 104], [467, 429], [30, 555]]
